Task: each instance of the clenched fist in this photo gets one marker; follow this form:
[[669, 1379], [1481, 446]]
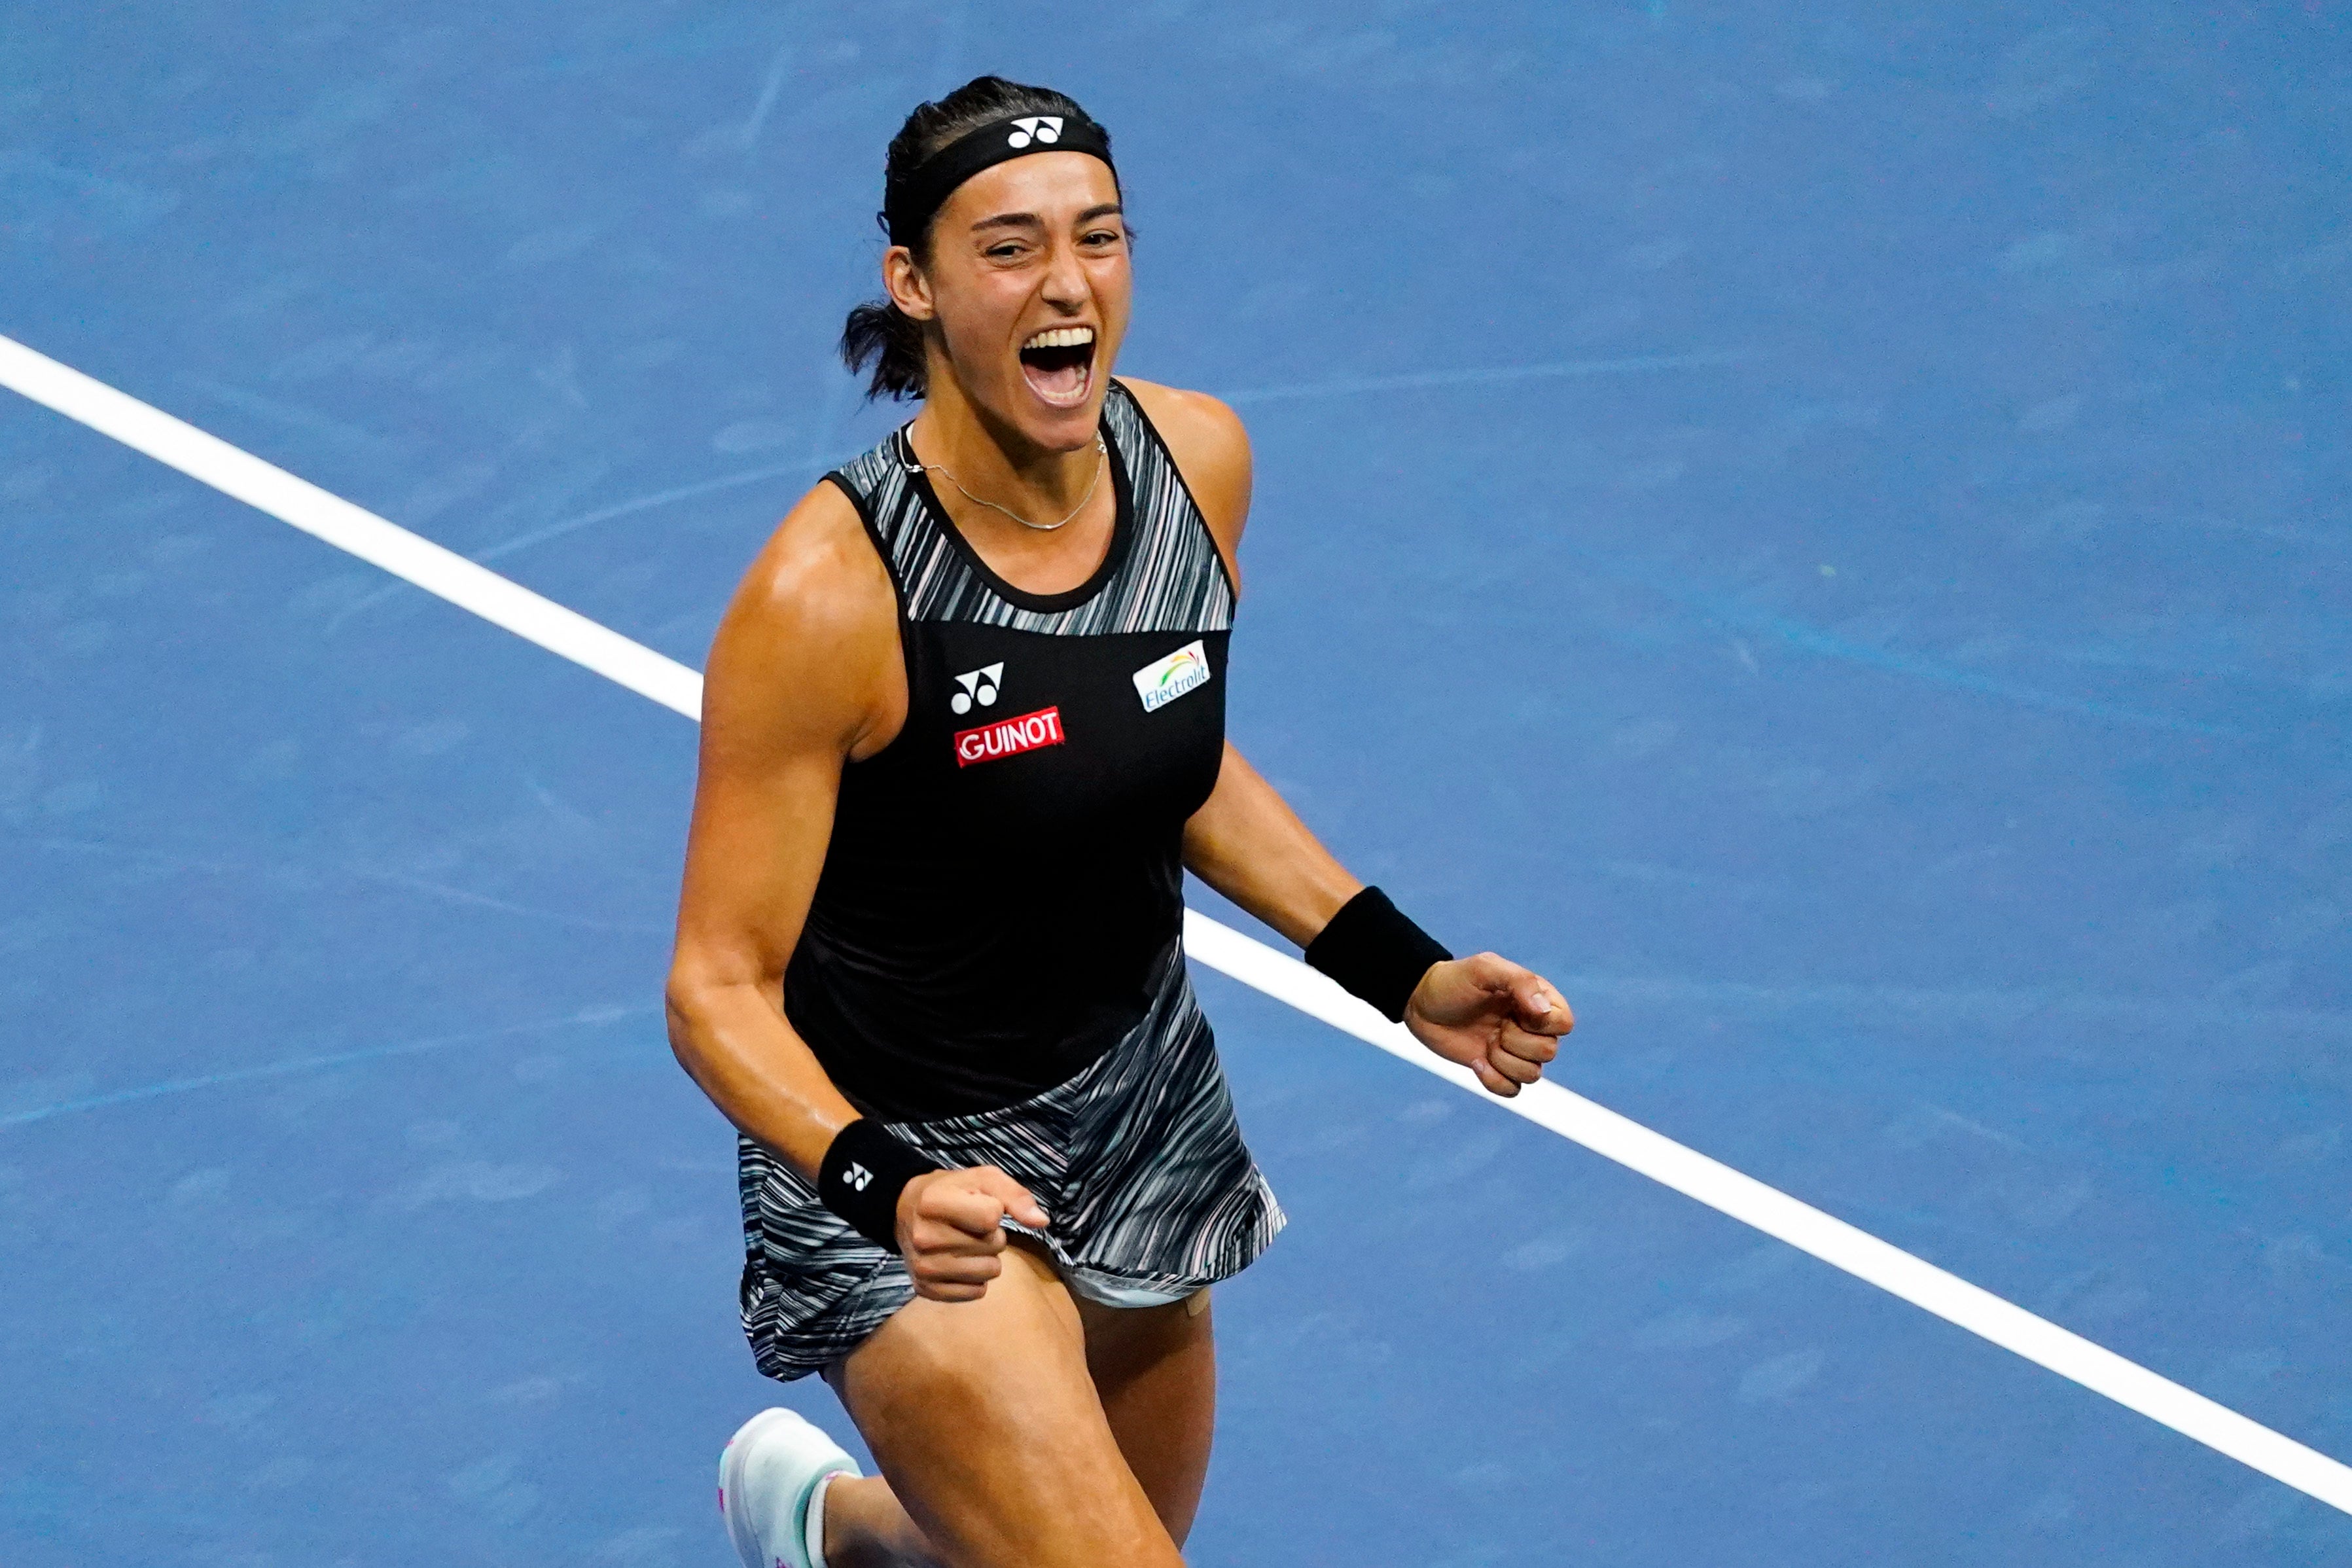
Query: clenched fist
[[1500, 1020], [951, 1229]]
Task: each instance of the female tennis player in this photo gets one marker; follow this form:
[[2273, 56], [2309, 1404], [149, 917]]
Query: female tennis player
[[964, 733]]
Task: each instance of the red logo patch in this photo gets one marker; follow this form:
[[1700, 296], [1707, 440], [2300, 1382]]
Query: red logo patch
[[1009, 737]]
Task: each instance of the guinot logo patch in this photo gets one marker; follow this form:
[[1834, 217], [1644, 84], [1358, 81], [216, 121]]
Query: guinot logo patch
[[1009, 737]]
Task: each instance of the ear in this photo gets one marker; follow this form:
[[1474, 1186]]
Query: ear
[[909, 289]]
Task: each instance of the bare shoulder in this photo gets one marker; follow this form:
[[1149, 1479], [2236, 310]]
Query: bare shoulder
[[807, 652], [1211, 451]]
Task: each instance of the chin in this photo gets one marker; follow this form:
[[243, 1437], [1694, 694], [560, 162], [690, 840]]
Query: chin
[[1064, 429]]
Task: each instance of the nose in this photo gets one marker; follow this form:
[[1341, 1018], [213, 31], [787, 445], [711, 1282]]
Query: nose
[[1065, 287]]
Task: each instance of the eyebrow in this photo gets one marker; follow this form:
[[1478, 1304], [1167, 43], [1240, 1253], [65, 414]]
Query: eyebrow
[[1030, 220]]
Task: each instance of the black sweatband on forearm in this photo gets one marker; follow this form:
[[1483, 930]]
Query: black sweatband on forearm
[[1375, 952], [865, 1170]]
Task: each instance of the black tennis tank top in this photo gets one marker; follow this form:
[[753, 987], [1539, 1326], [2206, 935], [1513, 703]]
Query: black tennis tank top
[[1002, 901]]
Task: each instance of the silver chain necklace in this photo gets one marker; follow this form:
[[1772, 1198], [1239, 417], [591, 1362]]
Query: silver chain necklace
[[1102, 456]]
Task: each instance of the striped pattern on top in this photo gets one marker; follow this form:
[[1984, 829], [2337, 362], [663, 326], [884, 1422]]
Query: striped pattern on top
[[1169, 578]]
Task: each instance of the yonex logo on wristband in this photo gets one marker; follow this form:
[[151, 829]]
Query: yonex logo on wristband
[[864, 1172], [1046, 127]]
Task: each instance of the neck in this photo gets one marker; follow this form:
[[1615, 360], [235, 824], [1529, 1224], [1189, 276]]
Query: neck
[[992, 458]]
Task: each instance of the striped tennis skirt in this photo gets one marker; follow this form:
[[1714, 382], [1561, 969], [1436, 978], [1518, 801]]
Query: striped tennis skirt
[[1137, 1160]]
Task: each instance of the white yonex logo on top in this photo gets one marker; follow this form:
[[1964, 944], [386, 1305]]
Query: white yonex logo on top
[[858, 1175], [980, 685], [1037, 128]]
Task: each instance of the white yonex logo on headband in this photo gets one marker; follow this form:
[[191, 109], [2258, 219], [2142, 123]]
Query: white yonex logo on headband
[[1037, 127], [980, 687]]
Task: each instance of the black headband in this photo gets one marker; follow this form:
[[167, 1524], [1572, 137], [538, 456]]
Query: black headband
[[908, 210]]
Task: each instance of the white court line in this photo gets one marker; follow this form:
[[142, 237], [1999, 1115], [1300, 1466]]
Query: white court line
[[1574, 1117], [496, 599]]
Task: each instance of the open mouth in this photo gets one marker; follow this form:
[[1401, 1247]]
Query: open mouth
[[1059, 364]]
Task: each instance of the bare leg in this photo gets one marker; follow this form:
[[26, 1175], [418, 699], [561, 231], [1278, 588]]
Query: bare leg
[[1155, 1371], [865, 1527], [1029, 1428]]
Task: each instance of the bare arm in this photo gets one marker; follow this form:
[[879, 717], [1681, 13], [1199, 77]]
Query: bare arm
[[1250, 845], [800, 678], [1246, 842], [1492, 1016], [804, 676]]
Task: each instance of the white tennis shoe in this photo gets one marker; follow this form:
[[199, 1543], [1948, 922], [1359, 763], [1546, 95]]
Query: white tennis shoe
[[772, 1482]]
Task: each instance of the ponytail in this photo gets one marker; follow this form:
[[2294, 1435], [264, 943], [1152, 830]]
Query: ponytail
[[880, 332]]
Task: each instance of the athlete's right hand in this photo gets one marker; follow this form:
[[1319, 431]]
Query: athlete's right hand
[[951, 1229]]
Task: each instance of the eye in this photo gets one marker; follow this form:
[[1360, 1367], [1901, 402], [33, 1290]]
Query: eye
[[1101, 236], [1005, 252]]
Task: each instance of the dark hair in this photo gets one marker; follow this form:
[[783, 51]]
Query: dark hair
[[877, 331]]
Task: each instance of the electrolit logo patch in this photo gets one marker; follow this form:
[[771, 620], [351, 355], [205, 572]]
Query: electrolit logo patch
[[1009, 737], [1184, 671]]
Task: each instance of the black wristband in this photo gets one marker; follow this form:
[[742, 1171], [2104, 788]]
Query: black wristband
[[1375, 952], [865, 1170]]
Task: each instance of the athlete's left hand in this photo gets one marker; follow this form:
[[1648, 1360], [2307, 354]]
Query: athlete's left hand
[[1500, 1021]]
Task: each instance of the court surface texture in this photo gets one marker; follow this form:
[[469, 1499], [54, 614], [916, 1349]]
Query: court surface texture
[[1823, 529]]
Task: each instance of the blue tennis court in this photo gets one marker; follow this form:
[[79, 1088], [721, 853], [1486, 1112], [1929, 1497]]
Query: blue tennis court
[[1826, 531]]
